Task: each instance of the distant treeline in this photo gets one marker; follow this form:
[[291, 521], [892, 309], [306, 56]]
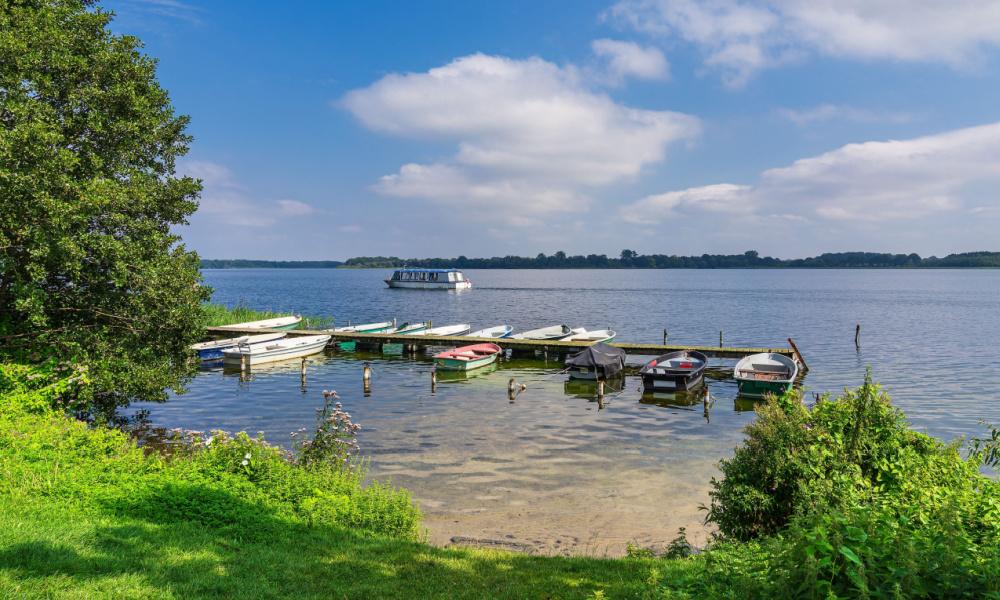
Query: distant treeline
[[632, 260], [214, 263]]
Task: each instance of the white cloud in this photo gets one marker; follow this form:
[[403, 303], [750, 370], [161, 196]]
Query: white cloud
[[835, 112], [627, 59], [871, 181], [225, 201], [741, 37], [294, 208], [531, 137]]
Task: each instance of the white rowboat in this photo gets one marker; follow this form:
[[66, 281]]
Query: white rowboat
[[500, 331], [294, 347], [600, 335], [460, 329], [556, 332], [290, 322], [213, 350]]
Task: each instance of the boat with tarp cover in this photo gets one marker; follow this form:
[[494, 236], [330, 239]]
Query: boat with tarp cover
[[599, 361]]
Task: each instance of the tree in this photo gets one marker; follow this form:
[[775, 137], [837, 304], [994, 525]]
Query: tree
[[90, 270]]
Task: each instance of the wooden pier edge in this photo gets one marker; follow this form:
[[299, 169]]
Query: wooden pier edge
[[514, 344]]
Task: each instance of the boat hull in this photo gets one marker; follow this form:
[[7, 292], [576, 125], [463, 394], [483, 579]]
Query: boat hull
[[429, 285], [257, 356], [672, 383], [211, 351], [752, 388], [450, 364]]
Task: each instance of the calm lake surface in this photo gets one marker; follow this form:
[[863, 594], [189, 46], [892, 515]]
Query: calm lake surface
[[555, 471]]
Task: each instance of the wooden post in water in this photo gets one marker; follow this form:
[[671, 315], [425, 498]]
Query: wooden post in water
[[857, 337], [720, 338], [366, 378], [706, 400], [302, 373], [664, 337], [511, 387], [434, 380]]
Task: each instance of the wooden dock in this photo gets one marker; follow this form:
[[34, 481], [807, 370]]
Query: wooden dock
[[544, 346]]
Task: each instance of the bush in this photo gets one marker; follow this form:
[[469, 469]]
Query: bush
[[848, 501]]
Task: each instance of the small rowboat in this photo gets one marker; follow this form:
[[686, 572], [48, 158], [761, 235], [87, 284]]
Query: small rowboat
[[286, 323], [580, 334], [556, 332], [467, 358], [213, 350], [767, 373], [674, 371], [407, 328], [460, 329], [284, 349], [500, 331], [367, 328]]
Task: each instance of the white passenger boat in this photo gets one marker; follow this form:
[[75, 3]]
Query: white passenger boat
[[293, 347], [290, 322], [581, 334], [500, 331], [460, 329], [556, 332], [429, 279]]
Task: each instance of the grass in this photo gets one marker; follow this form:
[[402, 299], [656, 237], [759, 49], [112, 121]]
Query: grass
[[86, 514], [218, 315]]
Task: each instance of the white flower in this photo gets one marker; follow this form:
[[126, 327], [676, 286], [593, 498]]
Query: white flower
[[245, 462], [247, 456], [208, 442]]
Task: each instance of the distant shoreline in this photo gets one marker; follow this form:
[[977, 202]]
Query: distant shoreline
[[631, 260]]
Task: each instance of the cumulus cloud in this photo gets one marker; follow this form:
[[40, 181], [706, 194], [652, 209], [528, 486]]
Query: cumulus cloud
[[871, 181], [740, 37], [628, 59], [224, 200], [531, 137], [835, 112]]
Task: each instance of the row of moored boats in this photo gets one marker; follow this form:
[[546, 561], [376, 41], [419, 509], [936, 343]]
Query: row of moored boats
[[757, 374]]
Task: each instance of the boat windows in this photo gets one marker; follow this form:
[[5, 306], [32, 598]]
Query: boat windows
[[451, 277]]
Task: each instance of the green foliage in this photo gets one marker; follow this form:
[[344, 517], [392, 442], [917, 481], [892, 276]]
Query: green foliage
[[333, 442], [217, 315], [849, 502], [87, 514], [89, 269]]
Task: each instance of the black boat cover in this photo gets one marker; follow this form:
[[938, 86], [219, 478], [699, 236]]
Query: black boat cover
[[606, 360]]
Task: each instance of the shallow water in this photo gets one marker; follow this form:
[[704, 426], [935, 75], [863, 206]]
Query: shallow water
[[555, 471]]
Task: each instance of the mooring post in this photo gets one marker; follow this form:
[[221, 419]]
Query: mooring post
[[434, 380], [706, 400], [302, 373], [366, 378], [511, 386], [857, 337], [664, 337], [720, 338]]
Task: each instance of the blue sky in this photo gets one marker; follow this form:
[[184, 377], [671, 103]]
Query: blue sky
[[327, 130]]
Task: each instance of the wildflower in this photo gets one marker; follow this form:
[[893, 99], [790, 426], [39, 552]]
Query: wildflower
[[246, 456], [208, 442], [245, 462]]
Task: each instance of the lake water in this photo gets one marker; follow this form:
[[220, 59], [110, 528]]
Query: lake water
[[553, 470]]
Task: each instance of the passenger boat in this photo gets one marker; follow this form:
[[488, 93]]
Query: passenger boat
[[460, 329], [367, 328], [581, 334], [429, 279], [407, 328], [674, 371], [284, 349], [467, 358], [286, 323], [500, 331], [556, 332], [599, 361], [767, 373], [213, 350]]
